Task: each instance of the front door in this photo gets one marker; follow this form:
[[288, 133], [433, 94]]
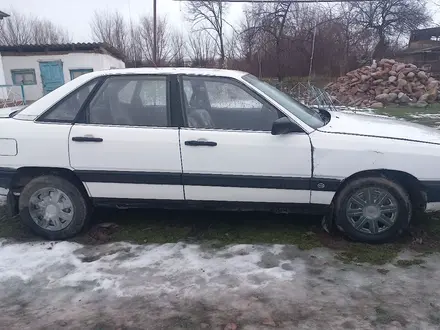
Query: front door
[[52, 75], [126, 150], [228, 151]]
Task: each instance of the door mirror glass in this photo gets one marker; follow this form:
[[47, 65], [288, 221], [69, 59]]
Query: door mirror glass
[[284, 126]]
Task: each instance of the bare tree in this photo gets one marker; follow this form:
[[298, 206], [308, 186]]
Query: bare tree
[[210, 16], [200, 49], [249, 32], [267, 23], [45, 32], [16, 30], [134, 51], [163, 39], [19, 29], [178, 44], [390, 17], [111, 28]]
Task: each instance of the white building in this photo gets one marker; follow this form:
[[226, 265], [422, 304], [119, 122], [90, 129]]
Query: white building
[[43, 68]]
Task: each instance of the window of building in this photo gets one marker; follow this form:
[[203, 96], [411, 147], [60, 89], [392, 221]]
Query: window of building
[[78, 72], [24, 77]]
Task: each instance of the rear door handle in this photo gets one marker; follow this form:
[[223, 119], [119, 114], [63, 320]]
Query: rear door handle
[[87, 139], [197, 143]]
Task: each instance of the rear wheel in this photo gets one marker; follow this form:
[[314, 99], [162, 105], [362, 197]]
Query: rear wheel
[[373, 209], [53, 207]]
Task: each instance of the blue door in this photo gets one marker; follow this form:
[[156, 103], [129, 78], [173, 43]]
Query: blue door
[[51, 75]]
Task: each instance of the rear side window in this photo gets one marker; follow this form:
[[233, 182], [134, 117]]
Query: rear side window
[[67, 110], [140, 100]]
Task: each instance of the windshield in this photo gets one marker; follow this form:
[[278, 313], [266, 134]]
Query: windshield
[[299, 110]]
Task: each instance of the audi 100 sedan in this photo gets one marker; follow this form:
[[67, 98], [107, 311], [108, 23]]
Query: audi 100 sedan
[[203, 138]]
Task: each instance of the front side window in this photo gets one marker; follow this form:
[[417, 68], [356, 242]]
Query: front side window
[[222, 103], [69, 107], [131, 101], [299, 110], [23, 77]]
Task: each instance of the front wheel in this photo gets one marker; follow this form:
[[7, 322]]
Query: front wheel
[[373, 210], [53, 207]]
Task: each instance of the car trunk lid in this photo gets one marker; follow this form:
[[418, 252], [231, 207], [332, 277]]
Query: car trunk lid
[[6, 112]]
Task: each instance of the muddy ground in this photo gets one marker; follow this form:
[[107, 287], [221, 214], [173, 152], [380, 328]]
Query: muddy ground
[[188, 286]]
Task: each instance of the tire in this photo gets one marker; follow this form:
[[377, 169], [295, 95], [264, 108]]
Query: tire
[[78, 207], [375, 230]]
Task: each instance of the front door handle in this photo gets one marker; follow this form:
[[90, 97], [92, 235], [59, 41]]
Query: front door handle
[[86, 139], [197, 143]]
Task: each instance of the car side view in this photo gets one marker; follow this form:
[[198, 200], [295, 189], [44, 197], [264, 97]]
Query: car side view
[[173, 137]]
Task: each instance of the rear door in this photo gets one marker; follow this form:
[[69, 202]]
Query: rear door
[[228, 151], [125, 149]]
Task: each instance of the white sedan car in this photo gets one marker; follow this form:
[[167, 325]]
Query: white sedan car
[[210, 138]]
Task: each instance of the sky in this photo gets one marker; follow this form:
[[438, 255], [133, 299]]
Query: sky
[[75, 15]]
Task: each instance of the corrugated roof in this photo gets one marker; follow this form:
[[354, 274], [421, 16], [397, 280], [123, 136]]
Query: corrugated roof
[[3, 14], [421, 50], [84, 46]]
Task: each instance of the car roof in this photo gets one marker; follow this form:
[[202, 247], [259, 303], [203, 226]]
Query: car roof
[[44, 103], [170, 70]]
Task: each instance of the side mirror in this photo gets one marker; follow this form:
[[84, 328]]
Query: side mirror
[[284, 125]]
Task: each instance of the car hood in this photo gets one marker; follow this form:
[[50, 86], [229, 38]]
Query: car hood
[[379, 126], [5, 112]]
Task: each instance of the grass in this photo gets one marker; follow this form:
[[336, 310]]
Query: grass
[[408, 263], [221, 228], [417, 115], [373, 254], [217, 229]]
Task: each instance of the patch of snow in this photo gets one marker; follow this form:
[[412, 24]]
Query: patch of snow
[[365, 113], [425, 115], [176, 286], [3, 194]]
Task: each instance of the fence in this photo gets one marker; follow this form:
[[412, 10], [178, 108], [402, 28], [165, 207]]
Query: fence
[[12, 95], [307, 94]]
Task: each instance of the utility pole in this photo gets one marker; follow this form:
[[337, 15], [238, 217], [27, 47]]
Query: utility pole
[[155, 32]]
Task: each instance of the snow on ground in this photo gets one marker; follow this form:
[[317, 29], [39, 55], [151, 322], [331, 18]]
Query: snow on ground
[[425, 115], [178, 286], [365, 113], [3, 193]]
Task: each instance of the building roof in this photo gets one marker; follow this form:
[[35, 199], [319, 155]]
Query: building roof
[[433, 49], [68, 47], [3, 15], [425, 34]]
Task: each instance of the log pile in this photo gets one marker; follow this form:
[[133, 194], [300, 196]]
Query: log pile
[[386, 82]]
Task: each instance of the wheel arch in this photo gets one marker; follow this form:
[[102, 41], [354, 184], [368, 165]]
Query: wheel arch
[[25, 174], [409, 182]]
